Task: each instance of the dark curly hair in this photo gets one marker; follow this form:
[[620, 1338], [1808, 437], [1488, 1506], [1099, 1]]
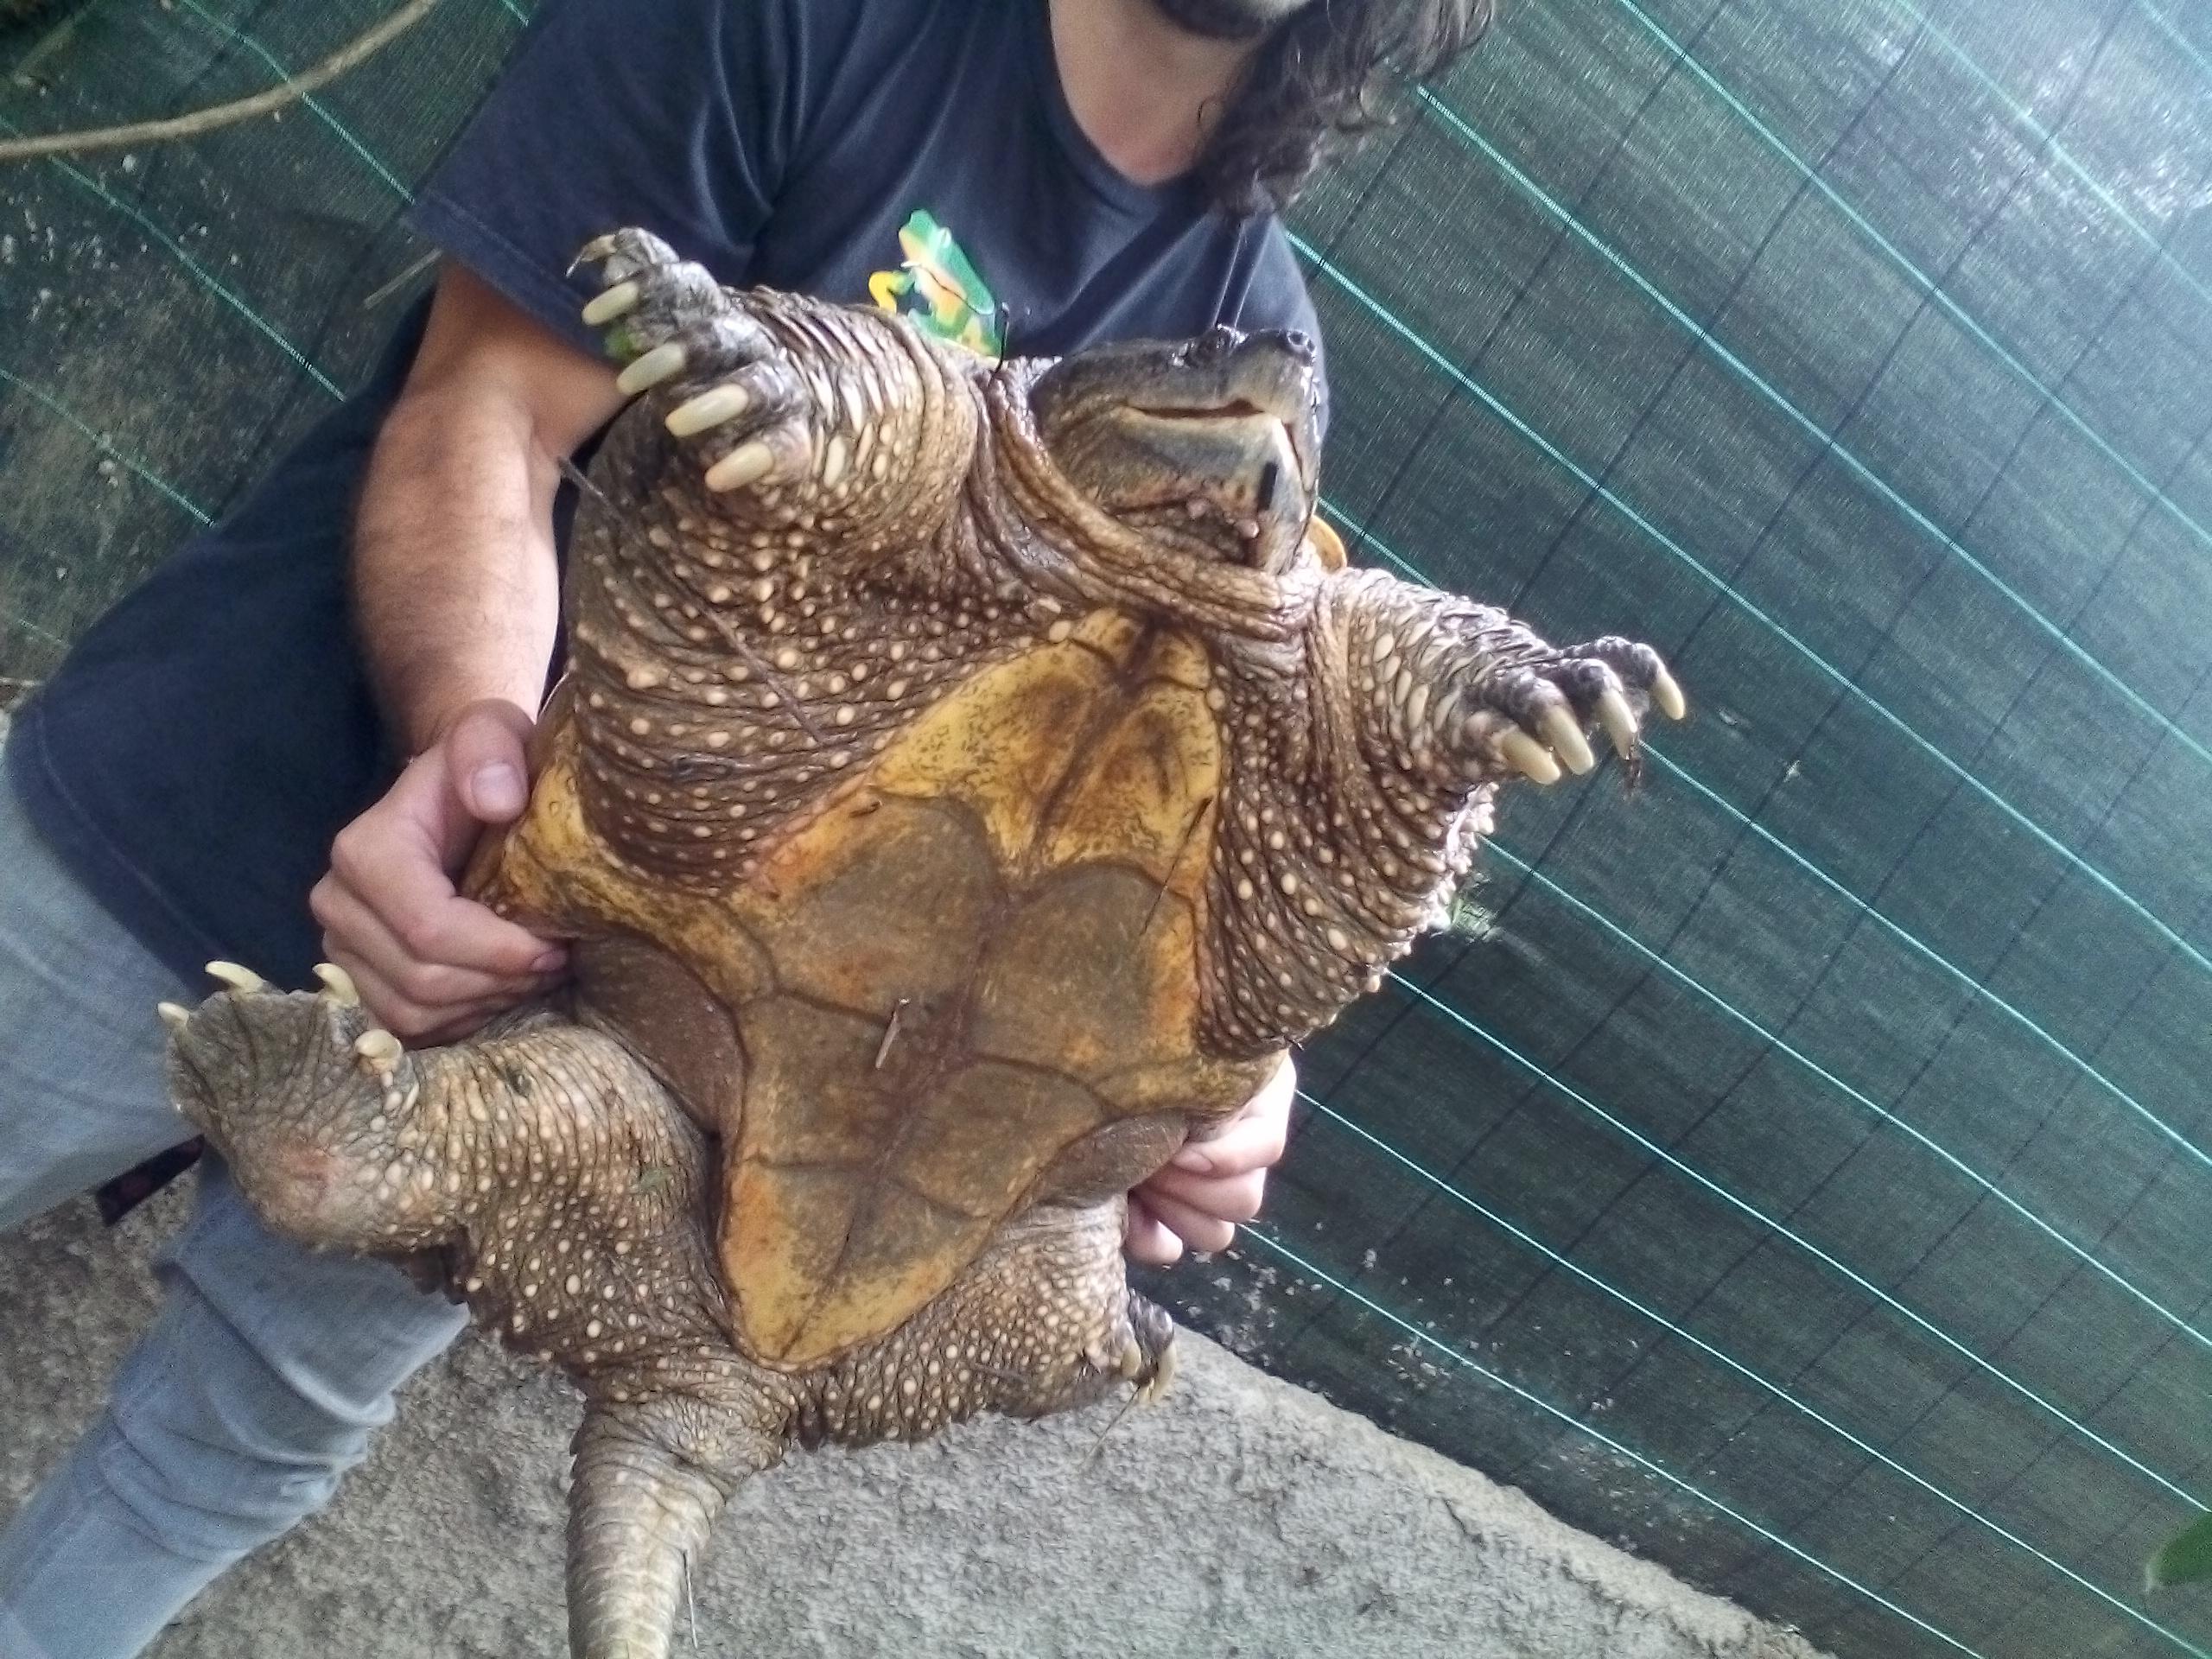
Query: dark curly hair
[[1320, 84]]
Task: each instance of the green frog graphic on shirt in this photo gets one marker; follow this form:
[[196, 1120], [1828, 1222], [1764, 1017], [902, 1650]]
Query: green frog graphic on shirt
[[937, 286]]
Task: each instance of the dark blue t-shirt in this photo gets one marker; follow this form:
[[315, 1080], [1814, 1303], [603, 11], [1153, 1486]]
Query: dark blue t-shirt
[[209, 736]]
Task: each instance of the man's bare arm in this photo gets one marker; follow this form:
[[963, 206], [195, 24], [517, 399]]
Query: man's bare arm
[[456, 596], [453, 568]]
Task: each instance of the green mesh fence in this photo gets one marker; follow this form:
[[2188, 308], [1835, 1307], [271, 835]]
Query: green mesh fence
[[1797, 1173]]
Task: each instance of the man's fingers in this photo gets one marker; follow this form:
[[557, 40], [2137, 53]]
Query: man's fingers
[[486, 761], [1229, 1197], [461, 936], [441, 957], [351, 925], [405, 1018], [431, 963], [1253, 1139], [1209, 1185], [1246, 1145], [1202, 1232], [1146, 1240], [396, 877]]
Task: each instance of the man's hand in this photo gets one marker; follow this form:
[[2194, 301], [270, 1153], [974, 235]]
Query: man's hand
[[456, 593], [430, 965], [1210, 1185]]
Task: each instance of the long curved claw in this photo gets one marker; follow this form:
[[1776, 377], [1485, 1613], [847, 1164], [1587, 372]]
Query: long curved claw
[[379, 1050], [237, 978], [616, 302], [175, 1018], [1163, 1373], [1560, 729], [649, 369], [709, 409], [1528, 757], [1126, 1361], [1614, 715], [748, 463], [1667, 695], [593, 252], [668, 323], [338, 985]]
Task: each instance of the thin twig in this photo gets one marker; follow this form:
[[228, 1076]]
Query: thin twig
[[1099, 1444], [399, 282], [890, 1031], [358, 50]]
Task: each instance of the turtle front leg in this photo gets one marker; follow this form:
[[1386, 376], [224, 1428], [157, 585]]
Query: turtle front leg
[[1463, 694], [872, 436]]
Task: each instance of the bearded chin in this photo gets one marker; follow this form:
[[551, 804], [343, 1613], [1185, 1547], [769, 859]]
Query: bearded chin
[[1227, 20]]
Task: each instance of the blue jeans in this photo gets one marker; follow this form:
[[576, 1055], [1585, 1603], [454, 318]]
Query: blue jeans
[[268, 1366]]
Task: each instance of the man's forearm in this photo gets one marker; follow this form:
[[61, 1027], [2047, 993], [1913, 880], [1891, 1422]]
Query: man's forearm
[[456, 585]]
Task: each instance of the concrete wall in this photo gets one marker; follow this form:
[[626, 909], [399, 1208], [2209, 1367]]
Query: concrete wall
[[1240, 1517]]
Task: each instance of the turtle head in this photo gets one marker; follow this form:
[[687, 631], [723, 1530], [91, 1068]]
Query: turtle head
[[1209, 444]]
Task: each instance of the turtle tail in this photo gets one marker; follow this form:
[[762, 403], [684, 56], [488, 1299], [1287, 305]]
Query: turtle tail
[[639, 1517]]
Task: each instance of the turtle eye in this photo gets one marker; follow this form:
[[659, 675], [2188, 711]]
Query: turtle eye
[[1216, 343]]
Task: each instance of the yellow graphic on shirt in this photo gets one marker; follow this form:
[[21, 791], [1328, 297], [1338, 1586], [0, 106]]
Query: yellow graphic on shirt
[[937, 287]]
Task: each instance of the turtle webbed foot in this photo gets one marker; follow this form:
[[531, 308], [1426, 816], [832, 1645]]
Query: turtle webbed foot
[[1044, 1322], [720, 379], [309, 1101], [1498, 701], [1145, 1354]]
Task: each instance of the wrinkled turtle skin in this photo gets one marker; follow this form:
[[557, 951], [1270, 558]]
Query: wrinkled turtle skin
[[965, 785]]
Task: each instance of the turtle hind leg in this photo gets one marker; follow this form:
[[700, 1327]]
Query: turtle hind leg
[[1043, 1322]]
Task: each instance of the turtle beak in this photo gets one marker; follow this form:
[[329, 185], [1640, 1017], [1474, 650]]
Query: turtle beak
[[1297, 402]]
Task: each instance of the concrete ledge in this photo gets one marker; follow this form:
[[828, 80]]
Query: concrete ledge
[[1240, 1517]]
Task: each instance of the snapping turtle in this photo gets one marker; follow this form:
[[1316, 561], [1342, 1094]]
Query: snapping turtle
[[965, 785]]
